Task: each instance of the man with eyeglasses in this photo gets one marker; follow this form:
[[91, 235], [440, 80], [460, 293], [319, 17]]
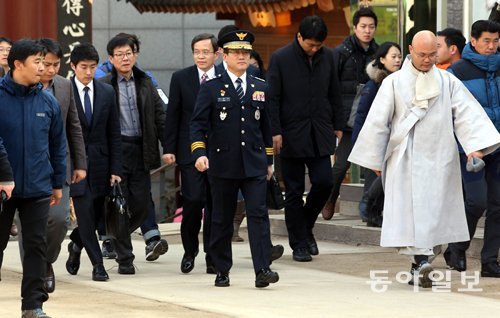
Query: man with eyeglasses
[[479, 70], [5, 45], [409, 138], [305, 104], [142, 120], [184, 87], [231, 141]]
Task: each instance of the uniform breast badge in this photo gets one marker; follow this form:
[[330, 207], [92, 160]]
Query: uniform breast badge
[[222, 92], [257, 114], [223, 113]]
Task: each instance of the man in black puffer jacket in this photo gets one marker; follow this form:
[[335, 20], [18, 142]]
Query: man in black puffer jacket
[[351, 58]]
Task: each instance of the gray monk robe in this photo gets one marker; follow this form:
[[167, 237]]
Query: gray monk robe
[[409, 135]]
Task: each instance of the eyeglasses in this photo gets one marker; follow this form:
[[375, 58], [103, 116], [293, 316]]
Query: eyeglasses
[[4, 49], [430, 56], [202, 53], [121, 56]]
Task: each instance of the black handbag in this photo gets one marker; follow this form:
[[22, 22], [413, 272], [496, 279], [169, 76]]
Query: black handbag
[[275, 198], [116, 214]]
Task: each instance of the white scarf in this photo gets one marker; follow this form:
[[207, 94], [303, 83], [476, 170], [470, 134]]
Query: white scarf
[[426, 86]]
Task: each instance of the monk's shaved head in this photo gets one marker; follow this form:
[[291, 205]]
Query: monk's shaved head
[[424, 38], [423, 50]]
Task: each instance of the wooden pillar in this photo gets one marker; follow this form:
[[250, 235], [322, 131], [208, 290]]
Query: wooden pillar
[[28, 19]]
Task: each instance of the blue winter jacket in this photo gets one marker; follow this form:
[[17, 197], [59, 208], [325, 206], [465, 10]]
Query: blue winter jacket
[[481, 75], [32, 130]]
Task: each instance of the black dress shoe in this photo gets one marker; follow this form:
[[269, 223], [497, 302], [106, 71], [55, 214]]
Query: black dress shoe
[[126, 269], [455, 260], [49, 281], [99, 273], [277, 252], [301, 255], [490, 270], [312, 246], [222, 280], [187, 264], [73, 262], [265, 277]]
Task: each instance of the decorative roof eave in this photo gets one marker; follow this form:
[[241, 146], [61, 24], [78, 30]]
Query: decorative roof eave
[[219, 6]]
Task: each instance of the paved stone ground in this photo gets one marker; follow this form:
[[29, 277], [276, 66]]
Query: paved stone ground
[[334, 284]]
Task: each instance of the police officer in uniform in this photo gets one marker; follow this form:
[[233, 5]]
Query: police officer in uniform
[[231, 117]]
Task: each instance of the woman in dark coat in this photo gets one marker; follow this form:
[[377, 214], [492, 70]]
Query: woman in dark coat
[[387, 60]]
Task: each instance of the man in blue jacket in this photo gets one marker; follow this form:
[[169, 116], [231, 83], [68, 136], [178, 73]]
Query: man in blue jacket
[[31, 126], [479, 70]]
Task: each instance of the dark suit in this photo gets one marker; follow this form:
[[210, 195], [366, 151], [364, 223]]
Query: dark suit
[[239, 151], [103, 146], [184, 87]]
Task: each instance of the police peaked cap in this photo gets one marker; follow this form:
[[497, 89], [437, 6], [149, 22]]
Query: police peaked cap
[[237, 40]]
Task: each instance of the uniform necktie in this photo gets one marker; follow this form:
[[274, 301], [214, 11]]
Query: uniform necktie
[[87, 105], [203, 78], [239, 89]]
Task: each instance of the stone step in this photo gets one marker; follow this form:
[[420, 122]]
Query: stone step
[[351, 230], [350, 196]]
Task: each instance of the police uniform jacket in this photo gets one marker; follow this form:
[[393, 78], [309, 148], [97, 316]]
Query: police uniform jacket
[[237, 136]]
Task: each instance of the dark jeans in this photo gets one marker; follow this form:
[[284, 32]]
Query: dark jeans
[[370, 177], [341, 164], [33, 213], [300, 217], [149, 228], [482, 192]]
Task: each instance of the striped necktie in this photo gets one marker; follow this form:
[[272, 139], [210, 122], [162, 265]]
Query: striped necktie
[[239, 89], [204, 78]]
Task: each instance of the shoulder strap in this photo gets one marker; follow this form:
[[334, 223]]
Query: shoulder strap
[[344, 53]]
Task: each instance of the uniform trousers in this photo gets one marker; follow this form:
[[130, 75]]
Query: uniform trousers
[[224, 198], [300, 217], [33, 213], [194, 187], [482, 192]]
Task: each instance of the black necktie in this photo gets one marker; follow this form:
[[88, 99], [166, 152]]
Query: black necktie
[[87, 105], [239, 89]]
